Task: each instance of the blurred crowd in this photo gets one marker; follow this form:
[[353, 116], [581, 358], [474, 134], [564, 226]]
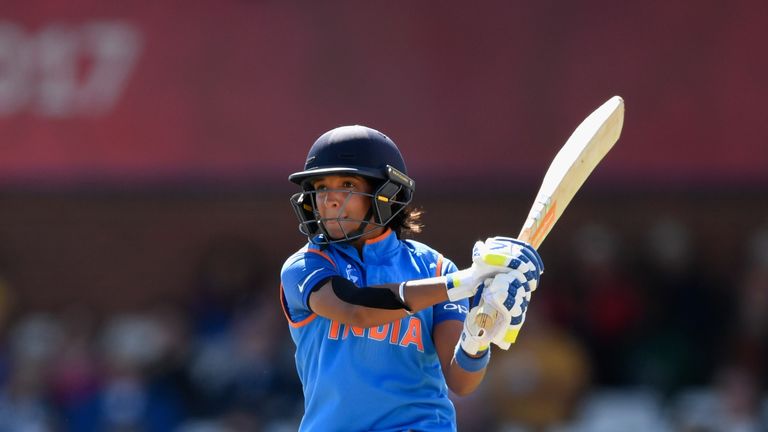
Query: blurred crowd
[[216, 360], [646, 338]]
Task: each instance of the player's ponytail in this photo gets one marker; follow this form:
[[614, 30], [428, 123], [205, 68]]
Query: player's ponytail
[[408, 222]]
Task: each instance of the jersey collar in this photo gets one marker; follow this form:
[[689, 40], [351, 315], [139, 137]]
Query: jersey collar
[[375, 250], [380, 248]]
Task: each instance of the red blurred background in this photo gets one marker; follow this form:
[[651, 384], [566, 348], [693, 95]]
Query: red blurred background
[[101, 92]]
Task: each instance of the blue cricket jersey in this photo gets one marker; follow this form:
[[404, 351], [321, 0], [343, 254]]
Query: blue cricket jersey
[[385, 378]]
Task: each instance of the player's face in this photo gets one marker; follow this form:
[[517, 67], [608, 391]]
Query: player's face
[[335, 200]]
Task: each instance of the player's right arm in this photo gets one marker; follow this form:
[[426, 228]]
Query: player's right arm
[[312, 283], [328, 301], [340, 300]]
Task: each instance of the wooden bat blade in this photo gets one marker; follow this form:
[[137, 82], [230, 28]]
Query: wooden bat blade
[[585, 148], [575, 161]]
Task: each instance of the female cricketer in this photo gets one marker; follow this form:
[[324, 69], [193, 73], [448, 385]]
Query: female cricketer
[[382, 325]]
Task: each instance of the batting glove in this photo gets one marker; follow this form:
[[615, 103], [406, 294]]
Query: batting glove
[[513, 254], [508, 295], [489, 258]]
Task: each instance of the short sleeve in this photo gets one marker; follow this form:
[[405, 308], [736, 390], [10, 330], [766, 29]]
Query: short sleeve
[[449, 310], [300, 274]]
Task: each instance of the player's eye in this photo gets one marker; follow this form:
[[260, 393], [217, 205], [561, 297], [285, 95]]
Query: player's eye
[[348, 184]]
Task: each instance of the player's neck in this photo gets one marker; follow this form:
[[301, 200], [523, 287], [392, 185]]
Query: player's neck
[[360, 242]]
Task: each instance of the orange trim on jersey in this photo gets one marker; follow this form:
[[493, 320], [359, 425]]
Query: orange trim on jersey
[[301, 323], [324, 255], [379, 238], [439, 271]]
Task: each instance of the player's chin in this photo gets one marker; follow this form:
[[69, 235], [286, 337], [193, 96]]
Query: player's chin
[[335, 230]]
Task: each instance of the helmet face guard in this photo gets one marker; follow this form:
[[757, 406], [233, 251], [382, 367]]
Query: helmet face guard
[[387, 201]]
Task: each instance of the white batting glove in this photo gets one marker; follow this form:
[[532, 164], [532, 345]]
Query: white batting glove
[[510, 253], [509, 295], [486, 262]]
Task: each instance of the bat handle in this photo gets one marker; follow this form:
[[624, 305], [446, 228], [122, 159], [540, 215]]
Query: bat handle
[[485, 316]]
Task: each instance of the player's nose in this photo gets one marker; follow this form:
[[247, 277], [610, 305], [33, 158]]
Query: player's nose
[[332, 199]]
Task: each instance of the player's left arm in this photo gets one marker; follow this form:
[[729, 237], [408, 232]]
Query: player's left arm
[[460, 380], [462, 345], [449, 320], [464, 363]]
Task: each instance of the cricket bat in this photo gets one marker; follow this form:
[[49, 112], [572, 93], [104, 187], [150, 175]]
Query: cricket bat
[[591, 140]]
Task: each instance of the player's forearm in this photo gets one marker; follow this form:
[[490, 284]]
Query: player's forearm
[[417, 295], [339, 299], [466, 371], [459, 380], [421, 293], [463, 382]]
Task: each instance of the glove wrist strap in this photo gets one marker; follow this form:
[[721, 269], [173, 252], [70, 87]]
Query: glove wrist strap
[[457, 284], [471, 364]]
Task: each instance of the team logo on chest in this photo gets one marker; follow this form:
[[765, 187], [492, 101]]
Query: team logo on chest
[[405, 332], [352, 273]]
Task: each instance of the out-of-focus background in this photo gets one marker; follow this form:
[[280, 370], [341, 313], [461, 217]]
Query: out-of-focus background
[[144, 216]]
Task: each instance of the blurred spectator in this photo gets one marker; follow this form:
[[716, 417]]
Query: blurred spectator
[[227, 277], [24, 405], [624, 409], [248, 372], [6, 303], [753, 305], [673, 351], [129, 399], [6, 307], [241, 368], [748, 345], [538, 382], [610, 305], [268, 385], [473, 412], [75, 375], [739, 401], [731, 404]]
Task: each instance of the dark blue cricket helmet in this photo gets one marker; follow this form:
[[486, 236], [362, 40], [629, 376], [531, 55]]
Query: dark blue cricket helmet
[[356, 150]]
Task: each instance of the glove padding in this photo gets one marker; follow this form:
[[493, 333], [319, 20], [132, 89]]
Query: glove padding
[[508, 295], [511, 253], [489, 258], [494, 256]]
